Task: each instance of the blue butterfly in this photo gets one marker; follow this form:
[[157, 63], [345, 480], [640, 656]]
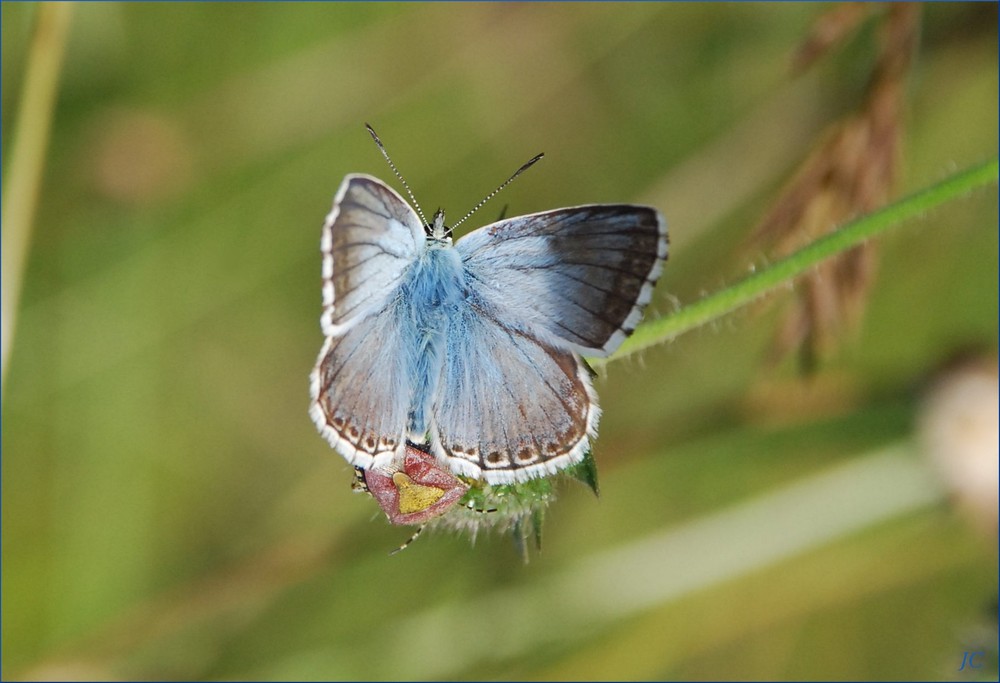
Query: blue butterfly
[[473, 349]]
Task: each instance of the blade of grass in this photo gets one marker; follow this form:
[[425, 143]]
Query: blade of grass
[[23, 177], [787, 269]]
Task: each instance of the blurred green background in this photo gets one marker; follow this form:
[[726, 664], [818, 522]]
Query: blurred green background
[[169, 510]]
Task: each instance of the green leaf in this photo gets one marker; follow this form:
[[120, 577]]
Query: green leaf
[[586, 472]]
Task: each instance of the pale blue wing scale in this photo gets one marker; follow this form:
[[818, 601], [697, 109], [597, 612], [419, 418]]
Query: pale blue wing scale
[[509, 407], [582, 274], [369, 239]]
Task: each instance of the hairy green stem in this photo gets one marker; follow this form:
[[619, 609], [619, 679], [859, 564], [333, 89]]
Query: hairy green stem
[[787, 269]]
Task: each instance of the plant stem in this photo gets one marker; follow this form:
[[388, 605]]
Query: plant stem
[[787, 269], [23, 178]]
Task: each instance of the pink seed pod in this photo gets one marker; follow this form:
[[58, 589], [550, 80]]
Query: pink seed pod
[[418, 491]]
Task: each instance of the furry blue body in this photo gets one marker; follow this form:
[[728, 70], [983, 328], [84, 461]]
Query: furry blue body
[[431, 298]]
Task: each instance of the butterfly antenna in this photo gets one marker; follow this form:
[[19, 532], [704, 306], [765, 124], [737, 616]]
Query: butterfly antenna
[[395, 170], [410, 540], [493, 194]]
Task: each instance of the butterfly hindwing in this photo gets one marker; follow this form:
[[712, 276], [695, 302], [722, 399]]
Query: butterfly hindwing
[[583, 274], [361, 390], [509, 407]]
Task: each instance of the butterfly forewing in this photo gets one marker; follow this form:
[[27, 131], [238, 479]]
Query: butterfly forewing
[[584, 274], [369, 239]]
